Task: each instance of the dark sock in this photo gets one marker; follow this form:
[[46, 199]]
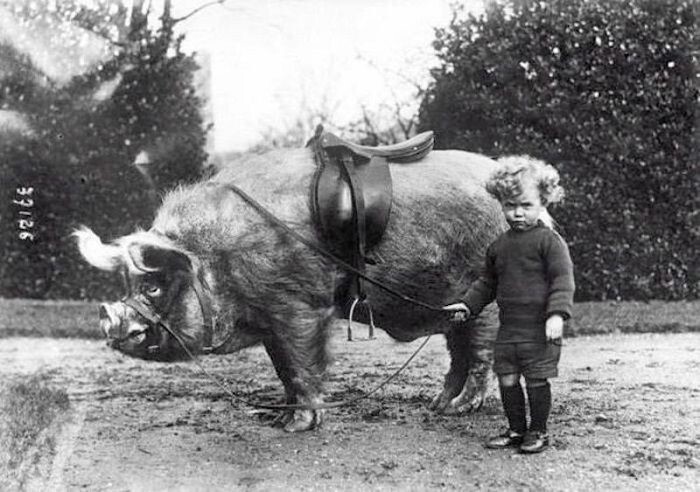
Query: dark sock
[[514, 405], [540, 403]]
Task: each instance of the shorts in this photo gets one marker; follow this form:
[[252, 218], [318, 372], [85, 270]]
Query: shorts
[[536, 360]]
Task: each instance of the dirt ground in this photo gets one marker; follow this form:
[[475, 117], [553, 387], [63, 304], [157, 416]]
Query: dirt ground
[[625, 416]]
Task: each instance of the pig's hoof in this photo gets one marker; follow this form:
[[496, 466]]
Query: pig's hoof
[[462, 404], [440, 402], [303, 420]]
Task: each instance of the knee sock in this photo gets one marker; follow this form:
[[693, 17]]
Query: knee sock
[[514, 406], [540, 403]]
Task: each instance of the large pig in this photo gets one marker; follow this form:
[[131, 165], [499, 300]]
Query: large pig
[[210, 258]]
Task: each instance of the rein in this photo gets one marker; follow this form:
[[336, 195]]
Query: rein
[[335, 259], [292, 406], [157, 320]]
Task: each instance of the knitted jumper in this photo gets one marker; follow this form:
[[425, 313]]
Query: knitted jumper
[[530, 275]]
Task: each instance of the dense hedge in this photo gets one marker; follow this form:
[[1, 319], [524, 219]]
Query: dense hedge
[[605, 91]]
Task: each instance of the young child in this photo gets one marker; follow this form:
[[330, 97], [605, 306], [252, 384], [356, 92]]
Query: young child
[[528, 271]]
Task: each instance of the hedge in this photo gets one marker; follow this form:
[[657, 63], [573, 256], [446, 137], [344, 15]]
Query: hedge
[[605, 91]]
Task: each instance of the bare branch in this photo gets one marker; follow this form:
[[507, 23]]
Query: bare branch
[[198, 9], [420, 89]]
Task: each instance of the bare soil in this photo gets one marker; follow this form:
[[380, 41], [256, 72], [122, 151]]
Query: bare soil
[[625, 416]]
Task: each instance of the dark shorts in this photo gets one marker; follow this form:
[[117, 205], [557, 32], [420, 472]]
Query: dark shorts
[[537, 360]]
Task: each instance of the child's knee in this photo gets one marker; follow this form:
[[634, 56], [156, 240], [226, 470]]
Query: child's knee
[[508, 380]]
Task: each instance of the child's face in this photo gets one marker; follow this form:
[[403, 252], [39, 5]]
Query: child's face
[[522, 211]]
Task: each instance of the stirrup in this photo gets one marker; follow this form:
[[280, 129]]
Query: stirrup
[[371, 318]]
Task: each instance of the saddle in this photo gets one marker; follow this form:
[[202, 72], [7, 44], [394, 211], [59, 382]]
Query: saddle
[[351, 193], [413, 149]]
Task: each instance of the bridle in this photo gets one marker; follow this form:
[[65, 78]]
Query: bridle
[[156, 320]]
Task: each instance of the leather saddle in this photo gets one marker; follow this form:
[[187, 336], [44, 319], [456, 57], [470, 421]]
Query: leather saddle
[[351, 192], [410, 150]]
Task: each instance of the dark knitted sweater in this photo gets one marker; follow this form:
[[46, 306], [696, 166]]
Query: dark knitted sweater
[[530, 275]]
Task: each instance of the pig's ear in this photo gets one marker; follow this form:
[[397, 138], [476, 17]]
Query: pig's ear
[[149, 258], [103, 256]]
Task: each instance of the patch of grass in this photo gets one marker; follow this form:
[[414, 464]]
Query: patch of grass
[[77, 319], [56, 319], [601, 318], [27, 408]]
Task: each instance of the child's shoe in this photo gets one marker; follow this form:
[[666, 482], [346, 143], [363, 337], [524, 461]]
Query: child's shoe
[[508, 439], [534, 442]]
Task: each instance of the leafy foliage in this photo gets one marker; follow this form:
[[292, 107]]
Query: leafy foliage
[[605, 90], [78, 152]]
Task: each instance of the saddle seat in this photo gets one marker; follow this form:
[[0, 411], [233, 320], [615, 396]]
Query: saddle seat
[[410, 150]]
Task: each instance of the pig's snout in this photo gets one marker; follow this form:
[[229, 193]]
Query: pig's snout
[[109, 321]]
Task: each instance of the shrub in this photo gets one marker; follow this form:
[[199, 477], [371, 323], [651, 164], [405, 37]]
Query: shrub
[[605, 91]]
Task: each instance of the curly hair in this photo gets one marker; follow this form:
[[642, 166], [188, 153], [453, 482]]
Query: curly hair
[[507, 181]]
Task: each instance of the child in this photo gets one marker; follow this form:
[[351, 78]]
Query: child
[[528, 271]]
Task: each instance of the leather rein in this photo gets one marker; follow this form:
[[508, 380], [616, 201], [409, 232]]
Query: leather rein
[[323, 252], [155, 319]]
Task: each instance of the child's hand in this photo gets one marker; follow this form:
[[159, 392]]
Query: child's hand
[[554, 328], [460, 311]]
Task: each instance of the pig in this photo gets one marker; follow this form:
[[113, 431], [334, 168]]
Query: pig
[[212, 262]]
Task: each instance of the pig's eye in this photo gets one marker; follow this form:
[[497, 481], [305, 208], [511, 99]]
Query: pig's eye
[[151, 290]]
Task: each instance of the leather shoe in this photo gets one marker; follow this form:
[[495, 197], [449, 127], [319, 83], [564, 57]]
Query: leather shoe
[[534, 442], [508, 439]]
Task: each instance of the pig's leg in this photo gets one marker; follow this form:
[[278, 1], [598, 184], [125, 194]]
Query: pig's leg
[[301, 352], [280, 363], [482, 336], [458, 347]]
